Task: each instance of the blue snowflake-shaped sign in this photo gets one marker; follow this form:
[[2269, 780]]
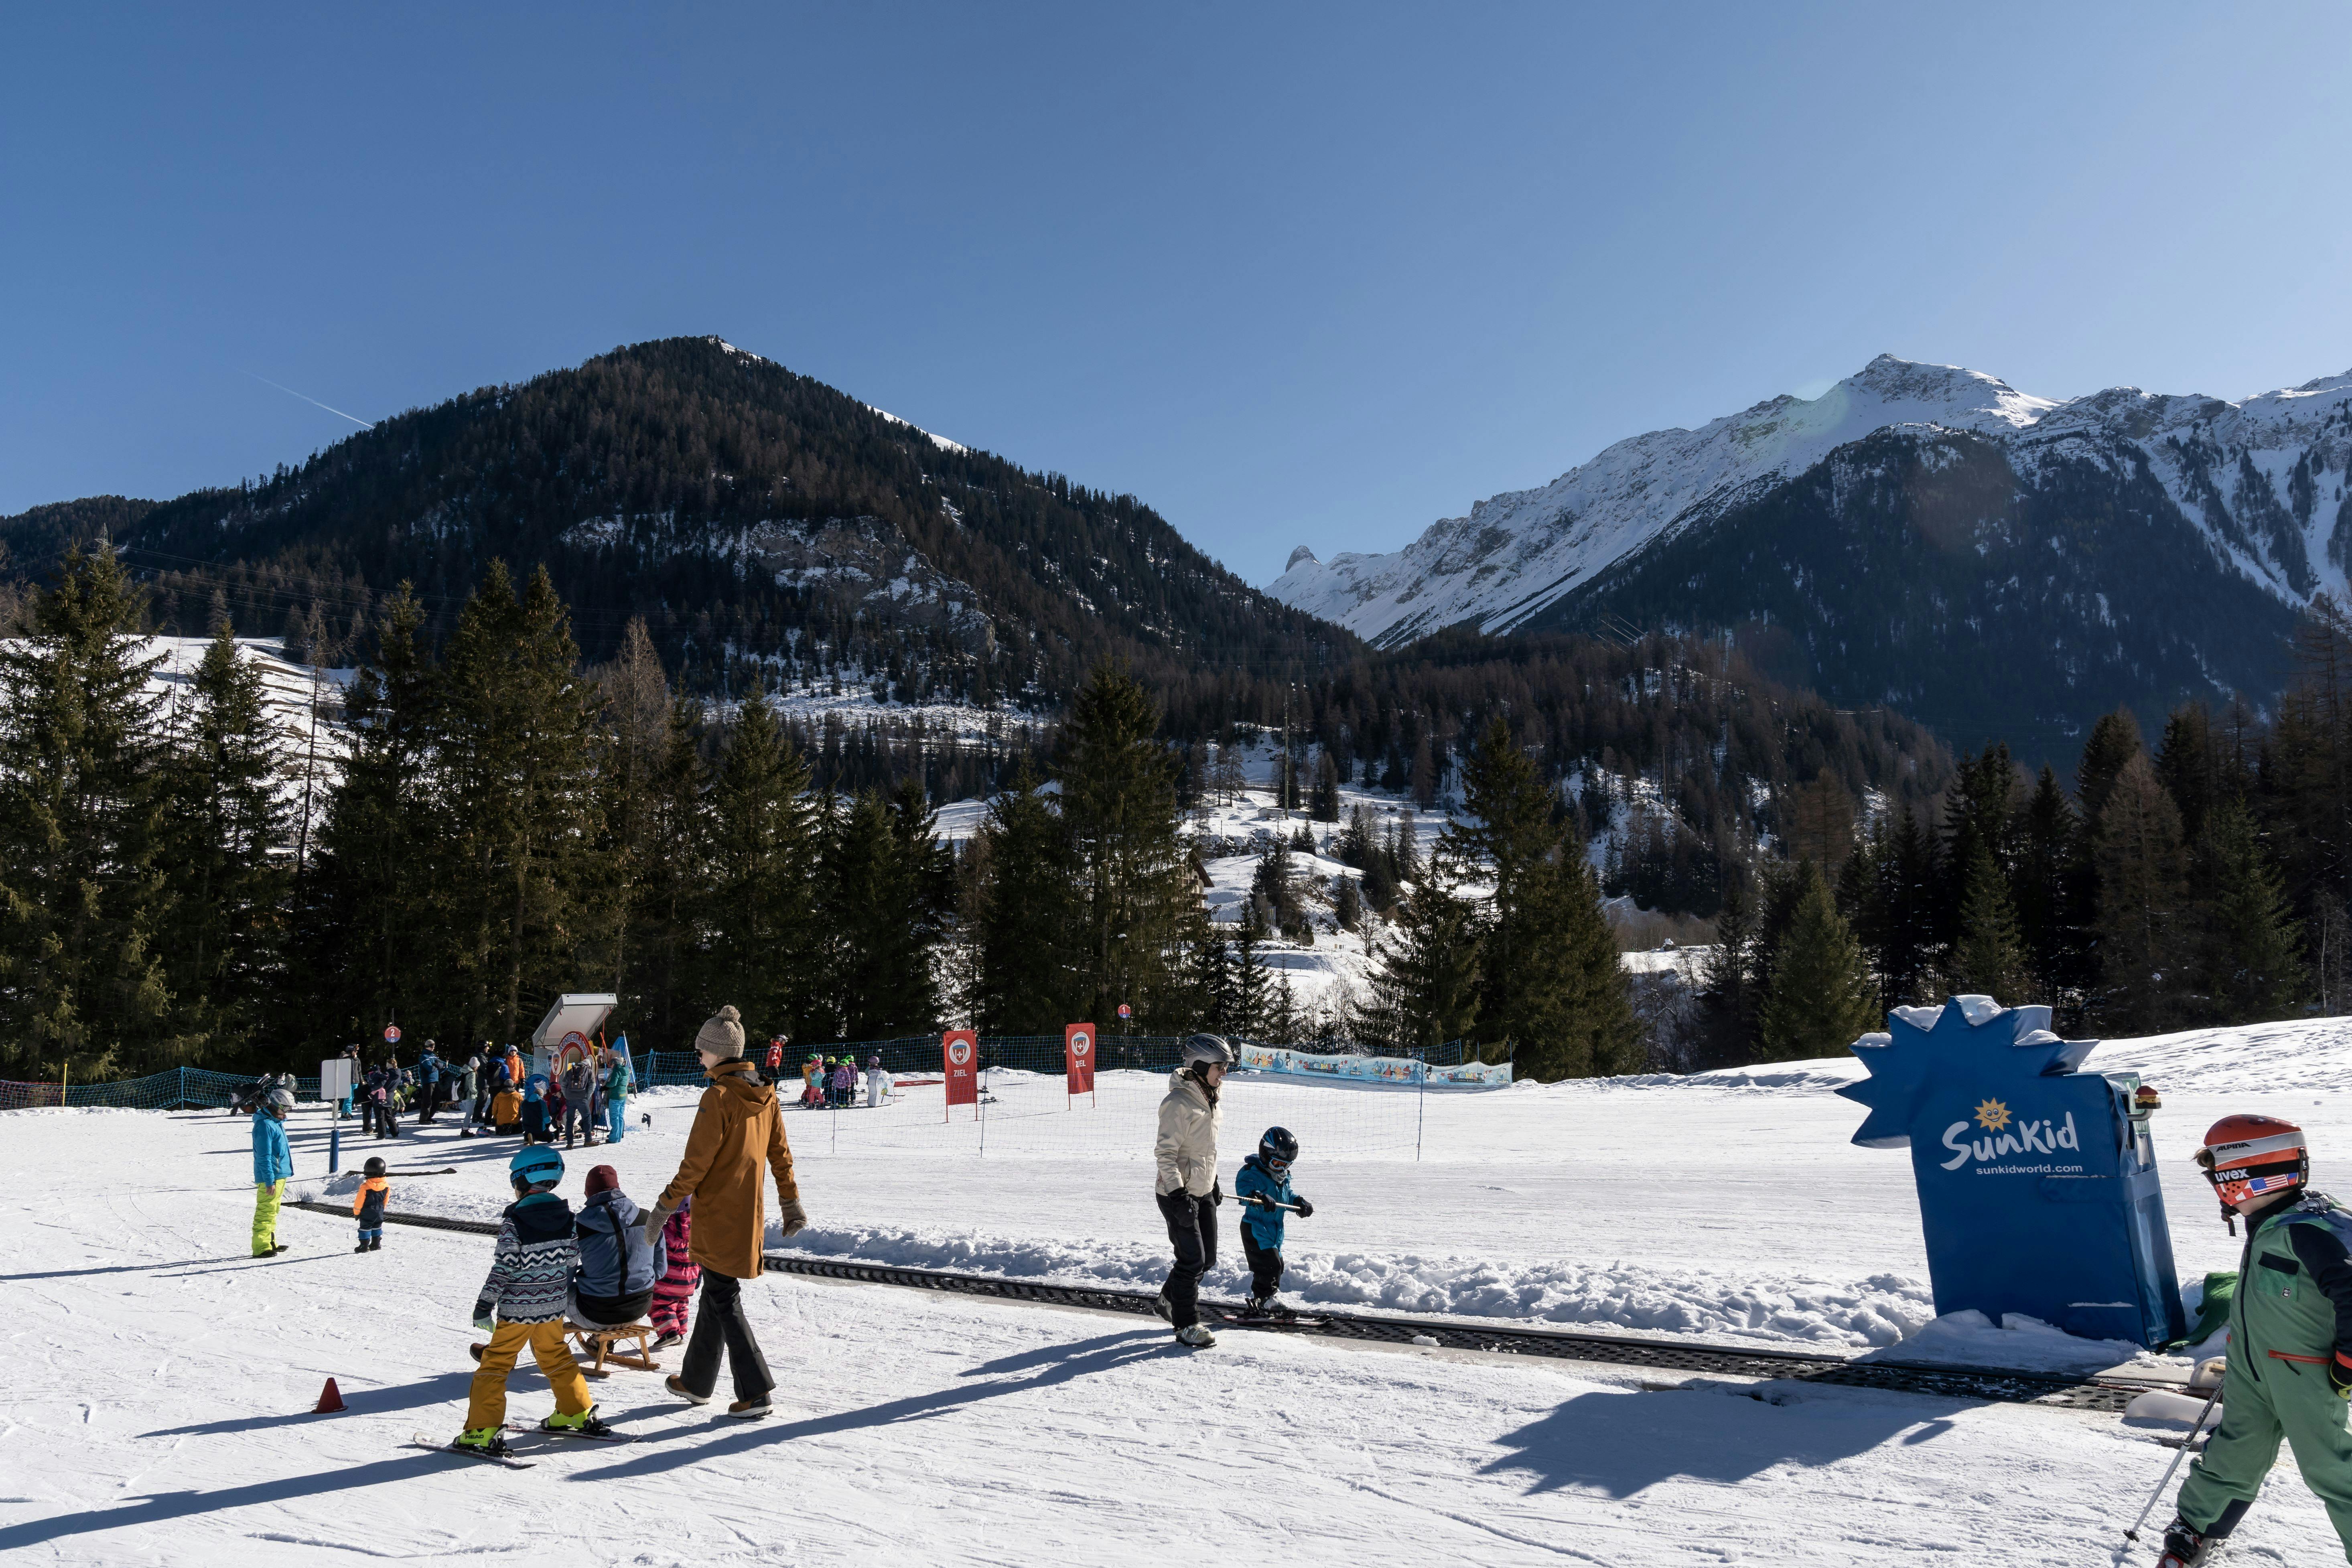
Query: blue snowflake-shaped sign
[[2038, 1190]]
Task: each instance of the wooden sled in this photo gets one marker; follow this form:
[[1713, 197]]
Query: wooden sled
[[606, 1343]]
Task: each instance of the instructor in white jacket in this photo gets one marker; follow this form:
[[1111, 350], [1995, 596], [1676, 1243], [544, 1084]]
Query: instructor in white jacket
[[1188, 1188]]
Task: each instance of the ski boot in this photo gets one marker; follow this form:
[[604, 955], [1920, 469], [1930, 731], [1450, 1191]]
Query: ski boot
[[482, 1440], [375, 1244], [587, 1423], [362, 1246], [1266, 1309], [2187, 1547], [1195, 1336]]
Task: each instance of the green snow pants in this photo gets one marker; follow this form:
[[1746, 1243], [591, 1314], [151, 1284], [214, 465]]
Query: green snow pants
[[267, 1196], [2290, 1400]]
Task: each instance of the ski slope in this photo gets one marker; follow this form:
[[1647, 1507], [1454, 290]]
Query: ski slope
[[158, 1410]]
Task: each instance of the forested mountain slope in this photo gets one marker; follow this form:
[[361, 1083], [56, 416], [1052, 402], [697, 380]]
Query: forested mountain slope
[[1920, 535]]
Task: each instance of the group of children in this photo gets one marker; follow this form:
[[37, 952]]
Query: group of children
[[831, 1082], [553, 1272]]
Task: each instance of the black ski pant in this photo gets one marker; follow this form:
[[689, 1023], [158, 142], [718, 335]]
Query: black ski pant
[[718, 1327], [1264, 1264], [1192, 1231]]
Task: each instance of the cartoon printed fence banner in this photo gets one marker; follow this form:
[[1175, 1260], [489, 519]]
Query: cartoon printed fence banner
[[1402, 1071]]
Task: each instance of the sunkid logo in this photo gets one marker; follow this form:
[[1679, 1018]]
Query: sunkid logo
[[2007, 1136]]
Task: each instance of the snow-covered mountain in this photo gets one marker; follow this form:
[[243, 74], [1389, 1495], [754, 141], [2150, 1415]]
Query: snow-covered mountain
[[2087, 517], [2264, 480]]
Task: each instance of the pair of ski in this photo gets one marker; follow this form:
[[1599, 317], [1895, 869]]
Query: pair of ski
[[1243, 1317], [419, 1440]]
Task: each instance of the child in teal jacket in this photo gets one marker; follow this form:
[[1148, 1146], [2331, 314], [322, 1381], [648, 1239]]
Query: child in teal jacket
[[1262, 1186]]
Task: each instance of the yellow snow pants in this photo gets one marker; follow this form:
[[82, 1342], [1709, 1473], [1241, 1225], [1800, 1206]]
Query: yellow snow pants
[[267, 1196], [486, 1405]]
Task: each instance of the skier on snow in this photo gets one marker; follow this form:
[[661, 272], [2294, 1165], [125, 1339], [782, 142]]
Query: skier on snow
[[522, 1304], [1187, 1187], [2289, 1360], [1261, 1187], [273, 1165]]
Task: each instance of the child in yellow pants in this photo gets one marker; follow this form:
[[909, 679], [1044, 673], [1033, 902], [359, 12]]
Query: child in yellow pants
[[522, 1304]]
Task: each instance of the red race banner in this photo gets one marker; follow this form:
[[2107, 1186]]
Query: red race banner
[[1078, 1057], [960, 1054]]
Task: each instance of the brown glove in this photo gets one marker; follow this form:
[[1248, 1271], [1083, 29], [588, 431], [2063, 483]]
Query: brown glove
[[790, 1218]]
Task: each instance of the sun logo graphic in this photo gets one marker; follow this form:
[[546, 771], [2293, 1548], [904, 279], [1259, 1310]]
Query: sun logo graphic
[[2004, 1135]]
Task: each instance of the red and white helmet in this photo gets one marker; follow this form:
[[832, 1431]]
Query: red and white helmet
[[2253, 1156]]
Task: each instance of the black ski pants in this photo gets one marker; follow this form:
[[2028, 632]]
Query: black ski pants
[[720, 1327], [1192, 1231], [1265, 1265]]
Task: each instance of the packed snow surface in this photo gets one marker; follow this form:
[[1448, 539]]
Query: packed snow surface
[[2264, 479], [159, 1408]]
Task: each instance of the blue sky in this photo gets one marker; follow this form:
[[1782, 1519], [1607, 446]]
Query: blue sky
[[1290, 274]]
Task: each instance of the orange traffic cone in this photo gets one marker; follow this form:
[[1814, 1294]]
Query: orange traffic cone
[[330, 1399]]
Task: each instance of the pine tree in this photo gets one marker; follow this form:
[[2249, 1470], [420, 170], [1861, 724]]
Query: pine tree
[[768, 952], [1347, 903], [2113, 741], [1819, 999], [81, 789], [1910, 877], [1282, 1026], [2142, 888], [2250, 958], [225, 939], [1987, 960]]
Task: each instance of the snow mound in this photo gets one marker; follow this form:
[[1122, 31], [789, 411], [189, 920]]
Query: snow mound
[[1876, 1312], [2017, 1343]]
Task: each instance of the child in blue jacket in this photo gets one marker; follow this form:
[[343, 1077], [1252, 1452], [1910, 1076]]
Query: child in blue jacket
[[1262, 1183], [273, 1163], [534, 1109]]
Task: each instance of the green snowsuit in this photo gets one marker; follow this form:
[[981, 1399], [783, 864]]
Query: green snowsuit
[[2284, 1331]]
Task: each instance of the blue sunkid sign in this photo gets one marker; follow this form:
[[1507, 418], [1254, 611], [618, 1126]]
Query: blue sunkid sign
[[2037, 1183]]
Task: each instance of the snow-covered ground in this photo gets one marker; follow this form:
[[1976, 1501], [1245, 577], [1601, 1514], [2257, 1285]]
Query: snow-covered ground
[[157, 1413]]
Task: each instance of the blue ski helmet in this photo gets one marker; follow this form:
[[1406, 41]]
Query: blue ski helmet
[[1278, 1148], [537, 1164]]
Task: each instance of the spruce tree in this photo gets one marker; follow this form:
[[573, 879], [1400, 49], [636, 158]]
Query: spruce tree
[[1988, 959], [1425, 978], [2047, 893], [1248, 992], [1029, 936], [1139, 899], [880, 910], [2143, 945], [1346, 904], [1326, 807], [2113, 741], [768, 952], [374, 906], [1819, 999], [224, 824], [512, 735], [2251, 958], [81, 794]]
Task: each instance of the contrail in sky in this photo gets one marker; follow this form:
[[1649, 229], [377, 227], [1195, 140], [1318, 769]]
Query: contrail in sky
[[314, 402]]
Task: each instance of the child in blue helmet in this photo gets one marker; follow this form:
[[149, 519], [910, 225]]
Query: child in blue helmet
[[1262, 1187], [522, 1304], [534, 1109]]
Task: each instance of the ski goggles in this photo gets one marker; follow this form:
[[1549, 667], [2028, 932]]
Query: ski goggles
[[1274, 1167], [2255, 1167]]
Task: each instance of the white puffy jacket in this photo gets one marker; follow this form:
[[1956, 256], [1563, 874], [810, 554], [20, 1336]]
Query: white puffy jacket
[[1187, 1147]]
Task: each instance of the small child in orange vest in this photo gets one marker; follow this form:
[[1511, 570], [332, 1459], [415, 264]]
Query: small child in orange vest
[[367, 1207]]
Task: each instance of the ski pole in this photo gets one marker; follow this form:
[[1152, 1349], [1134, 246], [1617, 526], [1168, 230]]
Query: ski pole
[[2132, 1534], [1269, 1203]]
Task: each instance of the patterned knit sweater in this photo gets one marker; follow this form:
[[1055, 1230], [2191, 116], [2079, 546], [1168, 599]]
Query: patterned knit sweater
[[533, 1265]]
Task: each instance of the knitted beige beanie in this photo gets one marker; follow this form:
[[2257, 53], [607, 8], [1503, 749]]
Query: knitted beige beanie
[[723, 1035]]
